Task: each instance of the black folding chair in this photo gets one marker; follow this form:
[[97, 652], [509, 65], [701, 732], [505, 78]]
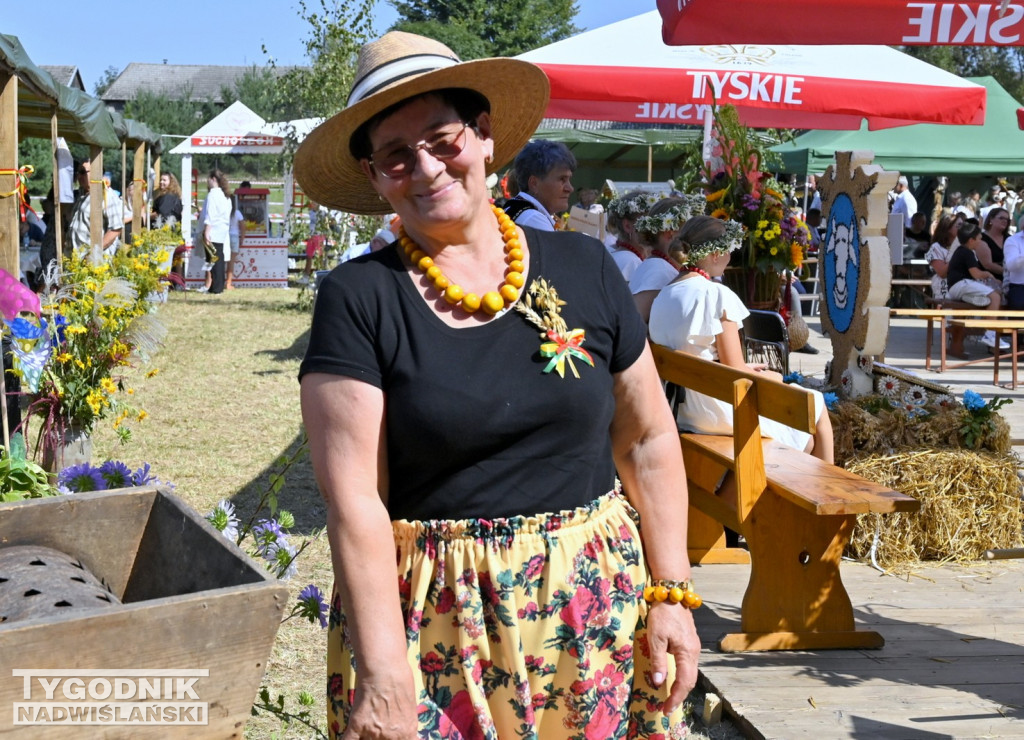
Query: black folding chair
[[766, 339]]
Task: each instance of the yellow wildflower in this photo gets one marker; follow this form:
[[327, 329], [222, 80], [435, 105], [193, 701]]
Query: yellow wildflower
[[76, 329], [95, 400], [142, 415], [152, 372], [108, 385], [63, 357]]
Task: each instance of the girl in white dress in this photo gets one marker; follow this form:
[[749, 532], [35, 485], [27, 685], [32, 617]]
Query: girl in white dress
[[657, 229], [629, 251], [697, 315]]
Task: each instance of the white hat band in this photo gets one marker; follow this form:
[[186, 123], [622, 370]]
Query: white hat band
[[397, 70]]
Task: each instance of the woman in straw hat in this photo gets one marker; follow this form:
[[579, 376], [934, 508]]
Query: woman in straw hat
[[469, 393]]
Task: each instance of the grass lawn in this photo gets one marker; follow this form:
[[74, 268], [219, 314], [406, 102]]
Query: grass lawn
[[223, 409]]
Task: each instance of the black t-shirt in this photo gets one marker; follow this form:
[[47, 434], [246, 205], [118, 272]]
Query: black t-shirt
[[960, 265], [474, 427], [168, 204], [997, 251]]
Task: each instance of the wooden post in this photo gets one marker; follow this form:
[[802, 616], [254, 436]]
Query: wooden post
[[10, 233], [96, 204], [139, 178], [57, 206], [124, 182]]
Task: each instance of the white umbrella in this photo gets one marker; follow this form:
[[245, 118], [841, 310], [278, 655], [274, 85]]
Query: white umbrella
[[625, 72]]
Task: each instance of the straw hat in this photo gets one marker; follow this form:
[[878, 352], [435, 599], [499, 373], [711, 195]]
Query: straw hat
[[402, 65]]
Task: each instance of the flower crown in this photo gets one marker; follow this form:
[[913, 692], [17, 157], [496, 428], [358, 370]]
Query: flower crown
[[674, 218], [637, 205], [730, 240]]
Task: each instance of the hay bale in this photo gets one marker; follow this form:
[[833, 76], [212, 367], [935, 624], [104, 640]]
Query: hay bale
[[970, 502], [870, 425]]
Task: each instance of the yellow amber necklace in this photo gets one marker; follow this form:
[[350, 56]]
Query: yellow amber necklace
[[493, 301]]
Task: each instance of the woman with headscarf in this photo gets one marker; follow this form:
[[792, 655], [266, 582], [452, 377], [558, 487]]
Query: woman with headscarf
[[469, 393]]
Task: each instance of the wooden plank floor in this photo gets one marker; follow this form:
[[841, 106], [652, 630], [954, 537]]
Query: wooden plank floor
[[952, 666], [953, 663]]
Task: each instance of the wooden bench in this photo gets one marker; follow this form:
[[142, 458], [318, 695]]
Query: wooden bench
[[795, 511], [998, 326], [945, 314]]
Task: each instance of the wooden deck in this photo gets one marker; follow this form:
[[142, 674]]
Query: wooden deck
[[953, 663], [952, 666]]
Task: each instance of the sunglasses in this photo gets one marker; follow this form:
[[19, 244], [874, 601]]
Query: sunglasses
[[399, 161]]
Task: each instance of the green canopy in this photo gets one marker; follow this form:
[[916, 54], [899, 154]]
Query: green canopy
[[619, 151], [80, 117], [996, 148]]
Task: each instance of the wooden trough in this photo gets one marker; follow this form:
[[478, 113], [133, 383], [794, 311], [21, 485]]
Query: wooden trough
[[189, 614]]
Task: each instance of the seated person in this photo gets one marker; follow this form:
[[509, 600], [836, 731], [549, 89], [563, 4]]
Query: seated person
[[628, 250], [697, 315], [968, 282], [918, 236], [656, 230]]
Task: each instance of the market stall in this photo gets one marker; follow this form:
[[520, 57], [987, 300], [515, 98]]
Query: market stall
[[262, 260]]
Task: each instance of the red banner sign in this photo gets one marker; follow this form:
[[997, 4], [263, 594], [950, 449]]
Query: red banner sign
[[895, 22], [230, 140]]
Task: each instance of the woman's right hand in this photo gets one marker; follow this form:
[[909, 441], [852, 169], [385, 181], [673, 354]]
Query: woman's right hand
[[384, 709]]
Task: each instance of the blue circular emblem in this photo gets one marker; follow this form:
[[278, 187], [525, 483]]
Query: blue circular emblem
[[841, 263]]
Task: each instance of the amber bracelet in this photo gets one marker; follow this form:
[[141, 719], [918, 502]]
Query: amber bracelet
[[674, 592]]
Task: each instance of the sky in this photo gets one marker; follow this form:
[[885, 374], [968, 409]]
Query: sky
[[76, 32]]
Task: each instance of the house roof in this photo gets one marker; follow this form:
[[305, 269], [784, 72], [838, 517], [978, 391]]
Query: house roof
[[65, 74], [202, 81]]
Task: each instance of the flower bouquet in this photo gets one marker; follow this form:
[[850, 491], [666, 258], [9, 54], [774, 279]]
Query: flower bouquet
[[775, 240], [75, 358]]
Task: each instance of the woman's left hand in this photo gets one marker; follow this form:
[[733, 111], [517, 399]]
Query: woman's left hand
[[670, 631]]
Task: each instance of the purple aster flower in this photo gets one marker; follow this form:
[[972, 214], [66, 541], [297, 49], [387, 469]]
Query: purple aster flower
[[266, 535], [81, 478], [142, 476], [116, 474], [750, 202], [224, 519], [312, 605]]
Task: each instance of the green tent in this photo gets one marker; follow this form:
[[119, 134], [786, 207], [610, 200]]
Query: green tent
[[996, 148], [620, 151]]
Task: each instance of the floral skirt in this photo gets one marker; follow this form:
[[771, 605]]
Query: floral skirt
[[527, 627]]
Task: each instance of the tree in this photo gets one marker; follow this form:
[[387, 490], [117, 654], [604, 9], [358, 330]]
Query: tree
[[506, 28], [1002, 63], [109, 75], [39, 154], [176, 117], [336, 33], [463, 41]]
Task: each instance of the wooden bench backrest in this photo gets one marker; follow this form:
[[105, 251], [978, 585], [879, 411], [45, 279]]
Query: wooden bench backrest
[[751, 396], [787, 404]]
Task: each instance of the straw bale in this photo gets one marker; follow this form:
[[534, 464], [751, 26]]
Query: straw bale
[[970, 502], [871, 426]]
